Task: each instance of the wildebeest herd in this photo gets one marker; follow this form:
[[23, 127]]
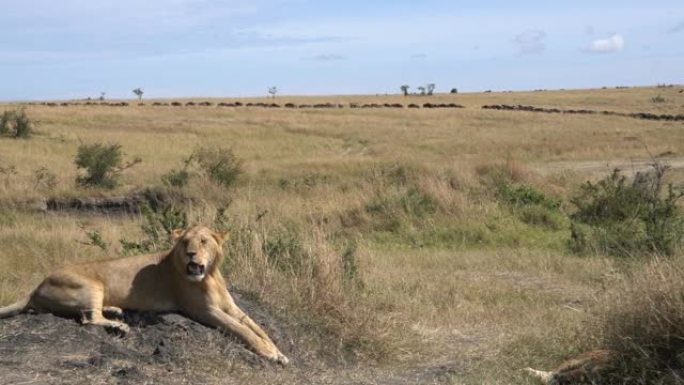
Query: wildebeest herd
[[250, 104], [290, 105], [637, 115]]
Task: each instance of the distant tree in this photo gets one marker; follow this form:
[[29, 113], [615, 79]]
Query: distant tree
[[139, 93], [454, 90], [102, 96], [273, 91], [422, 90], [405, 88], [430, 88]]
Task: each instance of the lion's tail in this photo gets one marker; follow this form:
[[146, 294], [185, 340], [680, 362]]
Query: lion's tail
[[15, 308]]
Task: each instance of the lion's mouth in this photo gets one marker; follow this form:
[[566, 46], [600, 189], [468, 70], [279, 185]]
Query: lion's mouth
[[194, 269]]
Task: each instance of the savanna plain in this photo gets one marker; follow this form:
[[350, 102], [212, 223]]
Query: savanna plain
[[393, 245]]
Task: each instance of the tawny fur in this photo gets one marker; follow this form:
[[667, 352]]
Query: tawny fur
[[161, 282], [587, 368]]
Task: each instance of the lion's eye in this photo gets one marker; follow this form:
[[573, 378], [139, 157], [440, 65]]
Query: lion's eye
[[204, 241]]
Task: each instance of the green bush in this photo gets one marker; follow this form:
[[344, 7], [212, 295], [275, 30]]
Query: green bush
[[103, 163], [542, 216], [22, 125], [44, 179], [176, 178], [530, 205], [219, 164], [658, 99], [16, 123], [6, 120], [285, 250], [418, 203], [524, 195], [619, 218], [158, 223]]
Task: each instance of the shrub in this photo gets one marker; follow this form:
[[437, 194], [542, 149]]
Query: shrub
[[16, 123], [417, 203], [528, 204], [103, 163], [44, 179], [284, 249], [623, 219], [22, 125], [176, 178], [6, 120], [542, 216], [221, 165], [658, 99], [524, 195], [158, 223], [94, 238]]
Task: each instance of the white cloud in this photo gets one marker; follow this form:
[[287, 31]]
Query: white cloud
[[612, 44], [329, 57], [531, 42]]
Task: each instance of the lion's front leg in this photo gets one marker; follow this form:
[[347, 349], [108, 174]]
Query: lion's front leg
[[219, 319], [229, 306]]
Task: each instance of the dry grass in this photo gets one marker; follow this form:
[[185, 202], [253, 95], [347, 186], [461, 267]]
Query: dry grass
[[446, 271]]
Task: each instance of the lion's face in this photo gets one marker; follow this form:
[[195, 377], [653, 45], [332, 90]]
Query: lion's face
[[197, 252]]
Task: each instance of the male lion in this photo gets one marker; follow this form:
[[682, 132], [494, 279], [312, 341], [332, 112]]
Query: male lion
[[186, 279]]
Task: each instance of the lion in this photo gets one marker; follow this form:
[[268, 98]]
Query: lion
[[185, 279], [587, 368]]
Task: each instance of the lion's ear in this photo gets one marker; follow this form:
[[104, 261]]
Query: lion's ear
[[220, 237], [176, 234]]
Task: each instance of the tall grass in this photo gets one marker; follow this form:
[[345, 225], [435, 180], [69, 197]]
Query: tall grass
[[643, 324]]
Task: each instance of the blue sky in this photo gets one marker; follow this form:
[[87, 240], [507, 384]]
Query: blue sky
[[79, 48]]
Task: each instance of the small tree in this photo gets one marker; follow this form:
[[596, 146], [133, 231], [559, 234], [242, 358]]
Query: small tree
[[103, 163], [273, 91], [139, 93], [421, 90], [454, 90], [430, 88], [405, 88]]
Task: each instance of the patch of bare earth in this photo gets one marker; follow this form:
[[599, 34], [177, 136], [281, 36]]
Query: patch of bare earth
[[603, 167], [172, 349]]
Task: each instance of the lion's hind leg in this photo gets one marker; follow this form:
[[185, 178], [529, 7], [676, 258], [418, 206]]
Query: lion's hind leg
[[94, 315], [74, 295], [113, 311]]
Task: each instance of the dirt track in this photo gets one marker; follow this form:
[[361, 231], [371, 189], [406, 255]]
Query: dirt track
[[603, 167]]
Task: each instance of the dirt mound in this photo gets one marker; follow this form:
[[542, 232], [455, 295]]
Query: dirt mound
[[168, 349], [171, 349]]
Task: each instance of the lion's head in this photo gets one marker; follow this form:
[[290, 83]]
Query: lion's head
[[197, 252]]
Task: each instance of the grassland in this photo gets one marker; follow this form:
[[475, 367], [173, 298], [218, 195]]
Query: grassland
[[445, 272]]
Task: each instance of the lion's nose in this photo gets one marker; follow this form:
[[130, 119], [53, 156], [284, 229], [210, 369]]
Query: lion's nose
[[191, 254]]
